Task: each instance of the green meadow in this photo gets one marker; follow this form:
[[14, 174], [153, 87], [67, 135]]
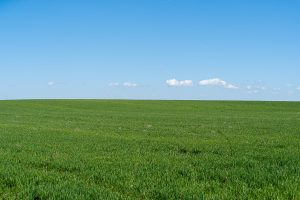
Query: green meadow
[[119, 149]]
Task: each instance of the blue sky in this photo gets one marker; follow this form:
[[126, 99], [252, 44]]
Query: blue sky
[[150, 49]]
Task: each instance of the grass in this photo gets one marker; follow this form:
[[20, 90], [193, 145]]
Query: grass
[[114, 149]]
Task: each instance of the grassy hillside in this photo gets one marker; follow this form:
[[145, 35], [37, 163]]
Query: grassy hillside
[[90, 149]]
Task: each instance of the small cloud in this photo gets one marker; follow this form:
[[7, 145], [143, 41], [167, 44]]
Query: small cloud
[[177, 83], [129, 84], [51, 83], [298, 88], [114, 84], [275, 90], [217, 82], [125, 84], [258, 87], [262, 87]]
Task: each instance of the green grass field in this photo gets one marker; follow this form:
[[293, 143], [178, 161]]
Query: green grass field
[[117, 149]]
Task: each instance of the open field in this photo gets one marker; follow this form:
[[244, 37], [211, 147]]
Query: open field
[[102, 149]]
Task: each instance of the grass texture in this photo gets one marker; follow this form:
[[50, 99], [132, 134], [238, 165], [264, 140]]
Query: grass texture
[[119, 149]]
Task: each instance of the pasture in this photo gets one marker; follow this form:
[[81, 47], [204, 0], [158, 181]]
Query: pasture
[[121, 149]]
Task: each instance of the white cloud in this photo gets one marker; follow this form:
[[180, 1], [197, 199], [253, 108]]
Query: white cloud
[[125, 84], [114, 84], [217, 82], [262, 87], [129, 84], [177, 83], [259, 87], [51, 83], [298, 88]]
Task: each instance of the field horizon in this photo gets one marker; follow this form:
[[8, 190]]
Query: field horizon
[[125, 99]]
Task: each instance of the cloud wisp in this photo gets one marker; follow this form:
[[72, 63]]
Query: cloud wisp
[[177, 83], [217, 82], [129, 84], [51, 83], [125, 84], [114, 84]]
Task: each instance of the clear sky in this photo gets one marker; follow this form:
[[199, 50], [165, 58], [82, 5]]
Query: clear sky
[[150, 49]]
